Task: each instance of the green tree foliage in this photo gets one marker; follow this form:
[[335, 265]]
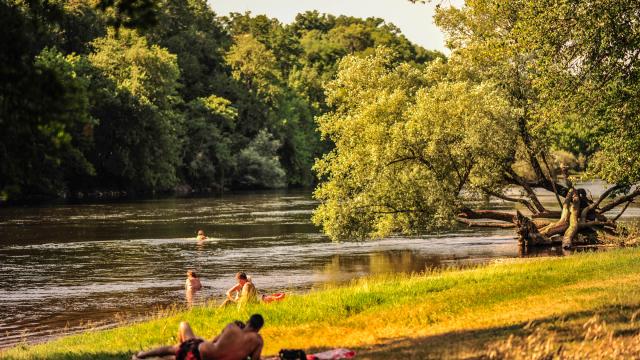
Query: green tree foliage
[[43, 104], [130, 13], [564, 76], [588, 64], [405, 147], [279, 39], [255, 68], [191, 30], [81, 23], [258, 164], [144, 96], [207, 158], [134, 101]]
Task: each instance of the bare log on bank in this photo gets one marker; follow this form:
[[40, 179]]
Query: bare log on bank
[[579, 215]]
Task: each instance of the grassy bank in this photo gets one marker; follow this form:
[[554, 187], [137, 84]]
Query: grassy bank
[[457, 313]]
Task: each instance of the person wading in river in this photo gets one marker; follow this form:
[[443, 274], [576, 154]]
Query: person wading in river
[[191, 285], [234, 343]]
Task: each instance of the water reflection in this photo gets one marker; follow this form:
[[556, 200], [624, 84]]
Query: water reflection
[[381, 262]]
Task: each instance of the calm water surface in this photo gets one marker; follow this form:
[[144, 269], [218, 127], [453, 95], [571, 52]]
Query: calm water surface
[[66, 267]]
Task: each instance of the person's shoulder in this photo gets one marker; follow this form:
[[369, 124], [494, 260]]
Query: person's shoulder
[[259, 339], [231, 327]]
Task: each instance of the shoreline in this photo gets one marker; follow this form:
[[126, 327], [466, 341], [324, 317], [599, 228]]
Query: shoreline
[[372, 312]]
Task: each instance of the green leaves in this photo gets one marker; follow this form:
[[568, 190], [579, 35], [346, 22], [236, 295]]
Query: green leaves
[[258, 164], [135, 93], [406, 148]]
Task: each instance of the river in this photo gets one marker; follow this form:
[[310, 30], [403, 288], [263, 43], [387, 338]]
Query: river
[[67, 267]]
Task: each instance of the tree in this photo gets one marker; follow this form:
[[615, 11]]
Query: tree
[[511, 50], [43, 106], [258, 164], [134, 95], [407, 149], [207, 159], [190, 30]]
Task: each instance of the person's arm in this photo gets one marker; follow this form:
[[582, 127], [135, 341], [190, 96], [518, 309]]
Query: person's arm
[[230, 291], [186, 284], [255, 355]]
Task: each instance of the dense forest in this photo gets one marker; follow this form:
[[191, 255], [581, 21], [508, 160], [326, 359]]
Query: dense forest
[[171, 99]]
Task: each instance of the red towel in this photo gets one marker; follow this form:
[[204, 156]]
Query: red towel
[[273, 297], [334, 354]]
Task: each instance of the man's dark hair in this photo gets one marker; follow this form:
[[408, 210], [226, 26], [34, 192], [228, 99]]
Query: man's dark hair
[[255, 321], [241, 276]]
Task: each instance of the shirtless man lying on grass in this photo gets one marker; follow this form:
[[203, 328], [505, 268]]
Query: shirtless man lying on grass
[[235, 342]]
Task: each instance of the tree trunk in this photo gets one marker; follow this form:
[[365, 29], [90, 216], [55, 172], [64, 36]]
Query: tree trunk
[[528, 234], [561, 225], [574, 220]]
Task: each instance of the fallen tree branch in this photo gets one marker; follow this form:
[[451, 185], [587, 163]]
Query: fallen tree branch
[[593, 206], [549, 214], [491, 224], [532, 195], [619, 201], [528, 232], [553, 181], [467, 213], [524, 202], [623, 210]]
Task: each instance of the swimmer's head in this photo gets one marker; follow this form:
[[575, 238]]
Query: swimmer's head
[[191, 273], [200, 233]]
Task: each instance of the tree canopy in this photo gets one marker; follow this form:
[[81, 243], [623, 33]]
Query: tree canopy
[[418, 148], [141, 97]]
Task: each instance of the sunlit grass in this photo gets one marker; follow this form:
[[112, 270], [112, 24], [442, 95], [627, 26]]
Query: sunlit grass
[[374, 310]]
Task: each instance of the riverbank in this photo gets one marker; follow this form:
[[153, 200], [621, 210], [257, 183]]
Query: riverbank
[[453, 313]]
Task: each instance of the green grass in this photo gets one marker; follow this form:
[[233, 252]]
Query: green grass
[[373, 315]]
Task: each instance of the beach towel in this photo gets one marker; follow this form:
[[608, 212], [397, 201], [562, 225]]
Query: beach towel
[[334, 354], [273, 297]]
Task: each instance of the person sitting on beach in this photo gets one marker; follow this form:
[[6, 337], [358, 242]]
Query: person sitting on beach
[[235, 342], [201, 235], [245, 291]]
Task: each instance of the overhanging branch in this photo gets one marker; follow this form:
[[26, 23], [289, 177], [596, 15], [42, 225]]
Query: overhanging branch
[[491, 224], [524, 202], [620, 201]]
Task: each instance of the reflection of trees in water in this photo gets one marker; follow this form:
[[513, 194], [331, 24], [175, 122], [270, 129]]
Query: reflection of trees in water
[[405, 261]]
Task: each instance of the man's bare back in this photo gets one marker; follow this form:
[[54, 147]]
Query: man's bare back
[[233, 344]]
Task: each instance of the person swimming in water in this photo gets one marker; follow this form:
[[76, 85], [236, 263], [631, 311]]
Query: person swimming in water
[[245, 291], [201, 235], [236, 342]]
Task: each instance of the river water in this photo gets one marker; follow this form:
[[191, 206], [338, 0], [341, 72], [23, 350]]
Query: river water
[[68, 267]]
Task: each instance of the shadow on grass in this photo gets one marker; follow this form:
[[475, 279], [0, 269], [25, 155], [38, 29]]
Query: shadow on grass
[[79, 356], [474, 344]]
